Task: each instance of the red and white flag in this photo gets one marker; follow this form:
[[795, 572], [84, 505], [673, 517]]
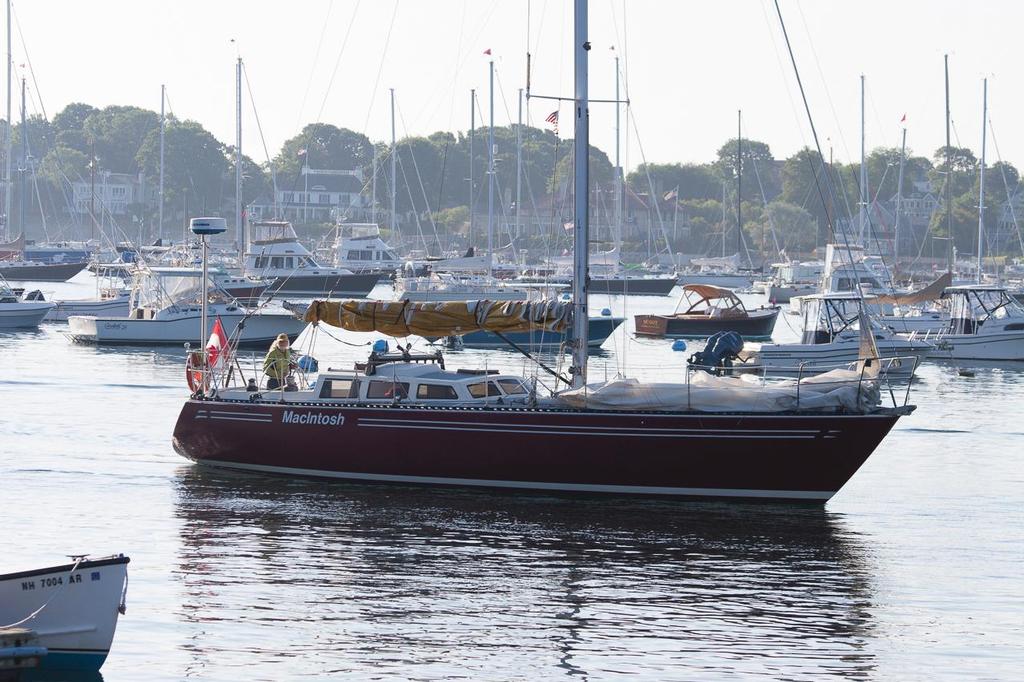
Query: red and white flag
[[553, 120], [217, 346], [904, 119]]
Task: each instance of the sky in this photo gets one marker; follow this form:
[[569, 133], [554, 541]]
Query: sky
[[689, 67]]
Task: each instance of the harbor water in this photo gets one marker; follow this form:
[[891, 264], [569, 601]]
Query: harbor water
[[913, 571]]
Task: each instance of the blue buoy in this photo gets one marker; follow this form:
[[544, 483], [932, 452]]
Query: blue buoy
[[308, 364], [606, 312], [566, 297], [380, 346], [679, 344]]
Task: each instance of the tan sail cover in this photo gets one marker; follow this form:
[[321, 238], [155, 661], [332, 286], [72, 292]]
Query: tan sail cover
[[448, 318], [932, 292]]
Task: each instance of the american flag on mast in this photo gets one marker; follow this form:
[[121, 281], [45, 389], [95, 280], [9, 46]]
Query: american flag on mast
[[553, 120]]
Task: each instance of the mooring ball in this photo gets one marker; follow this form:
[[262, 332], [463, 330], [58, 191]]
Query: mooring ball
[[679, 344], [380, 346], [606, 312]]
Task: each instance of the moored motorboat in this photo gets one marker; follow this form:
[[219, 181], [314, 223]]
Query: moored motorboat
[[38, 271], [831, 338], [709, 310], [18, 313], [71, 608], [986, 323]]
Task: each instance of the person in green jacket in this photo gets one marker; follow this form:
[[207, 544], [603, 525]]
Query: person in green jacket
[[277, 363]]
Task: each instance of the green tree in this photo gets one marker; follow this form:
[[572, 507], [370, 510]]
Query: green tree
[[795, 228]]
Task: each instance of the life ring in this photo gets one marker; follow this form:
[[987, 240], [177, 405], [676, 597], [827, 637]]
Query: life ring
[[194, 372]]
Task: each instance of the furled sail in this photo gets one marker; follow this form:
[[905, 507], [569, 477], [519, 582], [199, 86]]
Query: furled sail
[[448, 318], [932, 292]]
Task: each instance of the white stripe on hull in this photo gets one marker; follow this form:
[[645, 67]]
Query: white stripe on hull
[[811, 495]]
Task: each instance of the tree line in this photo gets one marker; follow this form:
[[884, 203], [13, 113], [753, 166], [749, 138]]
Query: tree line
[[785, 203]]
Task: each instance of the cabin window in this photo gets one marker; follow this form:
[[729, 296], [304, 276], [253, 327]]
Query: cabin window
[[512, 386], [387, 389], [354, 255], [277, 262], [484, 389], [1015, 327], [340, 388], [261, 261], [436, 392]]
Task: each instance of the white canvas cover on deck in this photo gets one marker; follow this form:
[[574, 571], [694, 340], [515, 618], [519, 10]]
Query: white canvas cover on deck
[[839, 388]]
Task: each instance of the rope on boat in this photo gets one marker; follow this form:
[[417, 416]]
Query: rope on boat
[[52, 597]]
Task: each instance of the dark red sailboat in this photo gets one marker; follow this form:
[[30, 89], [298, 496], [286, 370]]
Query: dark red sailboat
[[406, 419]]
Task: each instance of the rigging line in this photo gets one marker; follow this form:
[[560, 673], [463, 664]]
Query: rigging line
[[380, 68], [1006, 184], [412, 203], [28, 59], [263, 140], [817, 144], [419, 178], [337, 62], [821, 75], [782, 72], [631, 117], [316, 60], [455, 75]]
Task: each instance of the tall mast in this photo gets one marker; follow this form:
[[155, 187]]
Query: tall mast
[[160, 190], [899, 202], [581, 192], [394, 167], [981, 175], [240, 231], [24, 163], [618, 165], [949, 181], [739, 182], [864, 237], [490, 178], [519, 159], [7, 141], [373, 188], [472, 192]]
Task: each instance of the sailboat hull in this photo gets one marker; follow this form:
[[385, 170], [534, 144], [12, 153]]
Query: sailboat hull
[[795, 457]]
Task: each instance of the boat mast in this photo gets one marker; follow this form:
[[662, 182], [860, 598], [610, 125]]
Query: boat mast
[[519, 159], [7, 141], [581, 191], [240, 231], [490, 179], [739, 182], [394, 168], [373, 189], [864, 237], [949, 181], [618, 168], [24, 163], [899, 201], [981, 175], [472, 136], [160, 190]]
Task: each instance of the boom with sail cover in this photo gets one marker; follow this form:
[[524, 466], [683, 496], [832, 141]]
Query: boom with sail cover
[[443, 318]]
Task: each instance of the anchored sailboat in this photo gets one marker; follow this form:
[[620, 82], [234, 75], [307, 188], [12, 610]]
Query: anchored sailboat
[[404, 418]]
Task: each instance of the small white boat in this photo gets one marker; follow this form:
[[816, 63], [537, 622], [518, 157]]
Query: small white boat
[[165, 310], [986, 323], [115, 303], [831, 339], [440, 286], [72, 608], [18, 313]]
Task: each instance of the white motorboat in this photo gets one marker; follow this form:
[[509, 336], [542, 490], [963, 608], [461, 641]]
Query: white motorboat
[[72, 609], [115, 303], [793, 279], [986, 323], [18, 313], [166, 309], [719, 272], [442, 286], [362, 250], [831, 338], [276, 253]]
